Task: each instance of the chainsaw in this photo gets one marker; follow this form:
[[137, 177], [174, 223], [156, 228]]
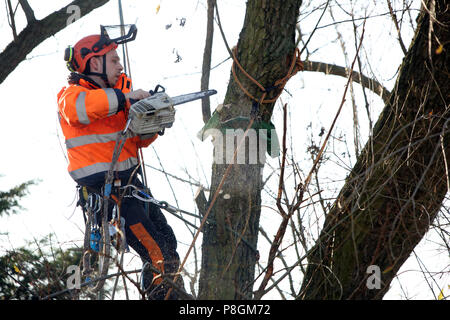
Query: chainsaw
[[156, 113]]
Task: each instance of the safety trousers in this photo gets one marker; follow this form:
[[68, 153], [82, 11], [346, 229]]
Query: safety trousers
[[148, 233]]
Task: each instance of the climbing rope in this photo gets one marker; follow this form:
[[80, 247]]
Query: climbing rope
[[295, 66], [101, 234], [143, 196], [127, 69]]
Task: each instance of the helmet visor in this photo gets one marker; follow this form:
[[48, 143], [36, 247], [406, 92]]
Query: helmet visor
[[119, 33]]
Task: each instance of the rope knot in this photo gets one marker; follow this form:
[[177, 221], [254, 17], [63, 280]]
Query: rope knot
[[296, 65]]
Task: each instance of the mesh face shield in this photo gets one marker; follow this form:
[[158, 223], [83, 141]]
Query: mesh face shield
[[118, 34]]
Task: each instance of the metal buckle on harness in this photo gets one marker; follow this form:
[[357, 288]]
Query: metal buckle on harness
[[95, 203], [144, 196]]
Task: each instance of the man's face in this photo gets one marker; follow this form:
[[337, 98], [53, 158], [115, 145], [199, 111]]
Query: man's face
[[113, 67]]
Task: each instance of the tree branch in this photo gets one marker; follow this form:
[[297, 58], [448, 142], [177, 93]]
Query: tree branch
[[206, 67], [39, 30], [200, 200], [394, 19], [366, 82], [29, 13], [11, 21]]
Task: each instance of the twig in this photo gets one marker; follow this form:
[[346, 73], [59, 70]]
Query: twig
[[197, 184], [315, 28], [11, 21], [167, 178], [394, 19], [87, 283], [206, 66], [300, 188], [216, 194], [286, 216]]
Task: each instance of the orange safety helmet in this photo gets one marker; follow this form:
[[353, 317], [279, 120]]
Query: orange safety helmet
[[88, 47], [96, 45]]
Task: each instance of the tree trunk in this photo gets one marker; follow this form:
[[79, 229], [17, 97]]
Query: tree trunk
[[265, 50], [399, 182]]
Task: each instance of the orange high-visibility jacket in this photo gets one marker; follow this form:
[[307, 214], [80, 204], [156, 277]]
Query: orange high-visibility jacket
[[91, 118]]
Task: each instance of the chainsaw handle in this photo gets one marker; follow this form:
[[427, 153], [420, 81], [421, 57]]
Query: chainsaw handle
[[158, 88], [152, 92]]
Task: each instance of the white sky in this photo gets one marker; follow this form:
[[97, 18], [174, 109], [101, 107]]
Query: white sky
[[32, 149]]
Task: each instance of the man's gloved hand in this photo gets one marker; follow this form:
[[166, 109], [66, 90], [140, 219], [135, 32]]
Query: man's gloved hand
[[136, 95]]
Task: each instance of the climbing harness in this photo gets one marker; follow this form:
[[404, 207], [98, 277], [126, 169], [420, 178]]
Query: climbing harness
[[105, 231], [145, 197], [97, 239], [96, 254]]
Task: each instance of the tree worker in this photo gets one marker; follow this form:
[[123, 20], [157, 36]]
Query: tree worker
[[93, 110]]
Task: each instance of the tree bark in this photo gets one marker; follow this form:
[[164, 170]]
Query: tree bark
[[37, 31], [397, 186], [265, 50]]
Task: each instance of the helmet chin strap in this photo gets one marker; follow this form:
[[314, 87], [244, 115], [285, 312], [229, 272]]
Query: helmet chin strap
[[102, 75]]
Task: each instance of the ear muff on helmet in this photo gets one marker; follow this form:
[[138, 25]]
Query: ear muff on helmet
[[69, 58]]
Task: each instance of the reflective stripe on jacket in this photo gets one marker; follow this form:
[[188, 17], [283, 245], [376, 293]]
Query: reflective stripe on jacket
[[90, 119]]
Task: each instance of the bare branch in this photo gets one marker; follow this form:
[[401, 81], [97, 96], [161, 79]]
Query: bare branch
[[206, 67], [336, 70], [29, 13], [201, 201], [394, 19], [11, 21], [33, 34]]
